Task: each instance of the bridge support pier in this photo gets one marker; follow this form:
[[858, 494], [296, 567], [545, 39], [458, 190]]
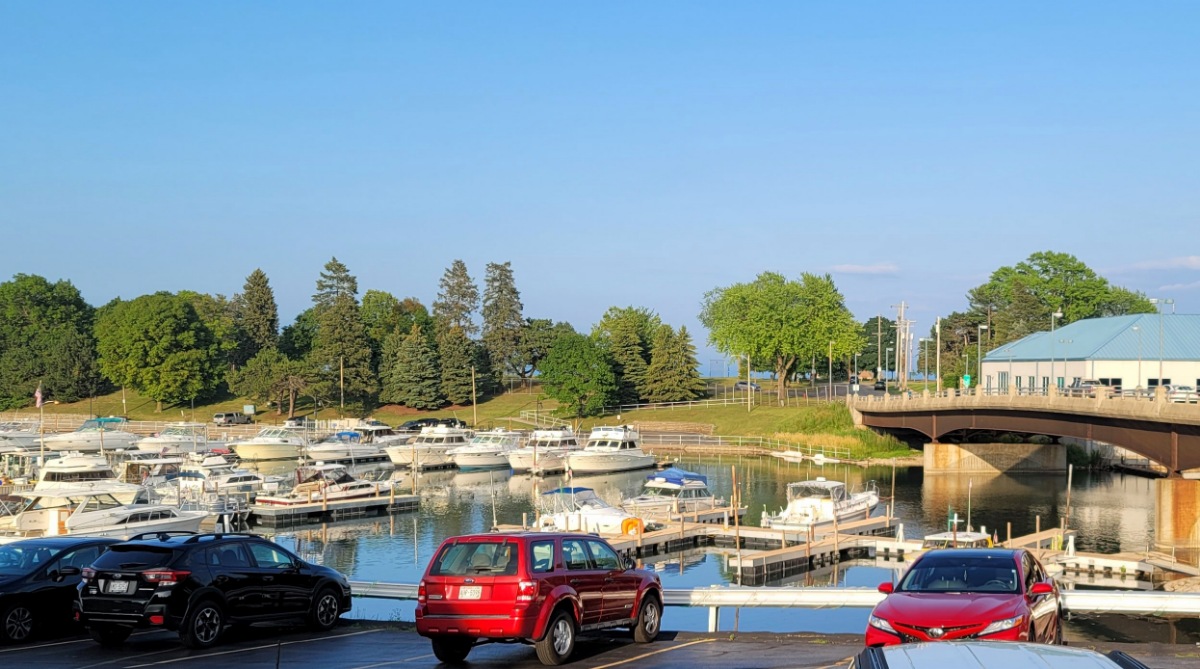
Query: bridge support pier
[[994, 458], [1177, 519]]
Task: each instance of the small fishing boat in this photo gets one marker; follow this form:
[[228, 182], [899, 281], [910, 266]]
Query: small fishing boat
[[673, 491], [819, 502]]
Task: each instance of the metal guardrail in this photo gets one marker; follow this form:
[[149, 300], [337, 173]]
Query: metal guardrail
[[1126, 602]]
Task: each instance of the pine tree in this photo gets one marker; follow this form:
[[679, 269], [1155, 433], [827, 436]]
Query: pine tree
[[673, 375], [336, 281], [256, 316], [629, 364], [411, 376], [342, 354], [457, 354], [502, 319], [458, 297]]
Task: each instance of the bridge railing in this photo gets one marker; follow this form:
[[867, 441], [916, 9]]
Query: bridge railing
[[715, 598]]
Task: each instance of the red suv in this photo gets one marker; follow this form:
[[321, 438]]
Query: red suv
[[969, 593], [532, 587]]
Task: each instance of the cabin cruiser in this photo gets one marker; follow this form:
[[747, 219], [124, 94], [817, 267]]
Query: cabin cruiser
[[820, 501], [380, 434], [673, 491], [94, 511], [71, 471], [344, 445], [19, 435], [177, 438], [150, 471], [487, 450], [271, 443], [430, 449], [574, 509], [545, 451], [319, 483], [609, 449], [96, 434]]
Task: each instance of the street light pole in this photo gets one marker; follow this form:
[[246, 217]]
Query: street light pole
[[830, 382], [887, 354], [1157, 302], [925, 360], [1138, 330], [979, 355], [1053, 380]]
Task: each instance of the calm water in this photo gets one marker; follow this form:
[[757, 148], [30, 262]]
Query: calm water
[[1112, 513]]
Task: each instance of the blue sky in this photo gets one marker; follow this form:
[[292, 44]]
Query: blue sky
[[616, 153]]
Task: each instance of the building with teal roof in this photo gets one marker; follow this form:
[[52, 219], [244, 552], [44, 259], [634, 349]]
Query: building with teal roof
[[1138, 351]]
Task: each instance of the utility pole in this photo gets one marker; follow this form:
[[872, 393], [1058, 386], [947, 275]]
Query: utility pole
[[474, 404], [937, 349], [342, 381], [878, 347], [901, 340]]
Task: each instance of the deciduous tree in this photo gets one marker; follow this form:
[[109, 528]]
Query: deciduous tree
[[578, 373]]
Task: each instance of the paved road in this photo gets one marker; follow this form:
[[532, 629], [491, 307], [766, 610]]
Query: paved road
[[372, 646]]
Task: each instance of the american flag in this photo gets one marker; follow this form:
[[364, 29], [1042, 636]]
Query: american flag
[[37, 397]]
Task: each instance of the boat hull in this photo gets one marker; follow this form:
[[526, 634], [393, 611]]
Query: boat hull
[[421, 458], [491, 460], [599, 463], [91, 443], [272, 451], [546, 461], [188, 521], [854, 509], [177, 447], [319, 496], [342, 453]]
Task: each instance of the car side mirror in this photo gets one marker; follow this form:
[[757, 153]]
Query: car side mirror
[[887, 588], [70, 571], [1042, 588], [628, 562]]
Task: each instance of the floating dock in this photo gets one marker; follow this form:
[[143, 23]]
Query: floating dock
[[278, 515]]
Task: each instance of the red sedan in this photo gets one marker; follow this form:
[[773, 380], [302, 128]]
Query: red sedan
[[969, 593]]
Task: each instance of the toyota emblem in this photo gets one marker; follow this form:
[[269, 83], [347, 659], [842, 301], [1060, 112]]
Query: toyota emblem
[[936, 633]]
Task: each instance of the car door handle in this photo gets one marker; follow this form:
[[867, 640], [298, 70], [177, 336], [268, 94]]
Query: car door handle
[[268, 579], [575, 581], [610, 579]]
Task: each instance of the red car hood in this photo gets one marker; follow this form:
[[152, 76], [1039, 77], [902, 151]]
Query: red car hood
[[940, 609]]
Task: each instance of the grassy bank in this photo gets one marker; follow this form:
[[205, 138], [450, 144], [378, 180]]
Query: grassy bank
[[818, 425]]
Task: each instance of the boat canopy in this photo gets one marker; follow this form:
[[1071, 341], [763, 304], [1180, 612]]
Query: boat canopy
[[819, 488], [677, 476]]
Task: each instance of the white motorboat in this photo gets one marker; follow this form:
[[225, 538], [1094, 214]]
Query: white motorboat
[[271, 443], [487, 450], [94, 511], [344, 445], [150, 471], [610, 449], [819, 502], [318, 483], [18, 435], [673, 491], [574, 509], [545, 451], [430, 449], [178, 438], [96, 434], [380, 434], [74, 471]]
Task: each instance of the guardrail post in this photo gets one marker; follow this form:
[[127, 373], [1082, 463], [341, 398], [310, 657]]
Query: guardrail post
[[714, 617]]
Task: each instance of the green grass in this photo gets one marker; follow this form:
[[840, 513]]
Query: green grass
[[818, 425]]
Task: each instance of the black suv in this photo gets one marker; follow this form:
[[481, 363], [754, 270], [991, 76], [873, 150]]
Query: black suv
[[419, 423], [200, 583]]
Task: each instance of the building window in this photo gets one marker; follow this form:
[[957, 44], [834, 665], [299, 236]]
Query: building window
[[1018, 384], [1003, 380], [1154, 383], [1046, 382], [1111, 383]]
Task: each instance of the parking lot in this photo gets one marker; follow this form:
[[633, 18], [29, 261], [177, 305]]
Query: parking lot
[[372, 645]]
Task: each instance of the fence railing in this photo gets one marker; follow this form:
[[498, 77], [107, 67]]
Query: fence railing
[[543, 419], [745, 443]]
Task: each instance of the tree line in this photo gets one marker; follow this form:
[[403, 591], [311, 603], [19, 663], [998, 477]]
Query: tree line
[[342, 351]]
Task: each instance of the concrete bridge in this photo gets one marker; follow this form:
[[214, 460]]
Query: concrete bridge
[[1165, 432]]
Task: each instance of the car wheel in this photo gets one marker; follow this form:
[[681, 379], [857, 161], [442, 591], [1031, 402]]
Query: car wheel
[[203, 625], [16, 623], [109, 636], [452, 650], [648, 621], [559, 642], [325, 611]]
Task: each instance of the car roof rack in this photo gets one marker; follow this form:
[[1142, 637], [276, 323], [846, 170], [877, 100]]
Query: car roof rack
[[161, 535], [213, 536]]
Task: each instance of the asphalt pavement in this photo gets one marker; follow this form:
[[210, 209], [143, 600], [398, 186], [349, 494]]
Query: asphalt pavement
[[361, 645]]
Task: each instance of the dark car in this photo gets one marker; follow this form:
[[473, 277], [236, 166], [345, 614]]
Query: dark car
[[38, 578], [742, 385], [534, 587], [969, 593], [197, 584], [881, 385]]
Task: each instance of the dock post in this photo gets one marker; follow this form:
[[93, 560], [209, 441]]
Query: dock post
[[1008, 541]]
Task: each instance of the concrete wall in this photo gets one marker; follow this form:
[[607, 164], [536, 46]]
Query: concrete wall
[[994, 458]]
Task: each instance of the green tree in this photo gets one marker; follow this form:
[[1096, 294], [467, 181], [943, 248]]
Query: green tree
[[410, 371], [335, 282], [878, 335], [45, 338], [502, 319], [778, 322], [641, 320], [158, 345], [341, 354], [536, 339], [629, 361], [256, 316], [578, 373], [260, 378], [673, 375], [457, 355], [296, 340], [457, 300], [219, 315]]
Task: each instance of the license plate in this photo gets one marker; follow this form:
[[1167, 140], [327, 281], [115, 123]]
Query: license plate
[[470, 592], [119, 587]]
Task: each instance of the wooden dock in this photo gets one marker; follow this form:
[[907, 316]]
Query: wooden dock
[[277, 516]]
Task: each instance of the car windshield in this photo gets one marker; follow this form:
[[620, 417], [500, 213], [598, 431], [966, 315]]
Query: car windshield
[[24, 557], [962, 573]]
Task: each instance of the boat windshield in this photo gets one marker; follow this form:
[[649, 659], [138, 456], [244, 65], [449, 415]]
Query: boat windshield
[[661, 492], [814, 490]]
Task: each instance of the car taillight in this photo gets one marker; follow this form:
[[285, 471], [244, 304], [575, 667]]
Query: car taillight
[[165, 576], [421, 593], [526, 590], [87, 574]]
